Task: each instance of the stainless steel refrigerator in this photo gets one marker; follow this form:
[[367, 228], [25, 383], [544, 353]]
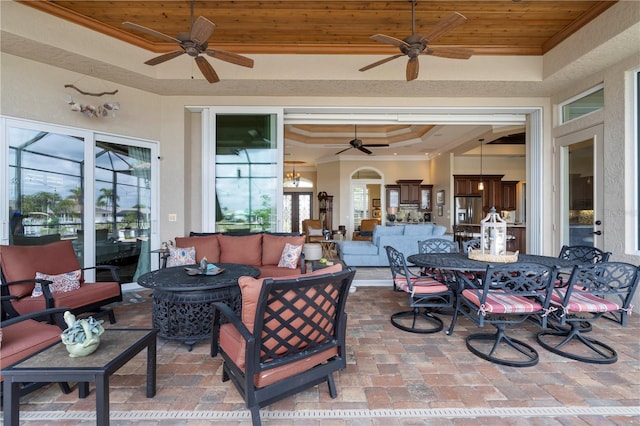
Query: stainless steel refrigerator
[[468, 210]]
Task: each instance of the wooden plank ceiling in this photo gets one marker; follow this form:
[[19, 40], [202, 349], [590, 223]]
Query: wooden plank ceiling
[[499, 27]]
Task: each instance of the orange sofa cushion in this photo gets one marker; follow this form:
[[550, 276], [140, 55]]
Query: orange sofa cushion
[[206, 246], [243, 249], [273, 245], [22, 263]]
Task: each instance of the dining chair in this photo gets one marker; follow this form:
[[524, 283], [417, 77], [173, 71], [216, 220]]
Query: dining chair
[[509, 294], [425, 294], [584, 254], [592, 291], [473, 244], [437, 245]]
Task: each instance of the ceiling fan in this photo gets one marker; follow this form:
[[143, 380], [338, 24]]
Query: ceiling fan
[[193, 44], [357, 144], [416, 44]]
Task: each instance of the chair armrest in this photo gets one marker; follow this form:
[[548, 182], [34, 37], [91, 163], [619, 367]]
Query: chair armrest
[[227, 312], [46, 291], [113, 269], [55, 313]]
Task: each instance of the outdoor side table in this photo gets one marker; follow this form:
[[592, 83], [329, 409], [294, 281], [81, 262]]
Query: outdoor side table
[[53, 365]]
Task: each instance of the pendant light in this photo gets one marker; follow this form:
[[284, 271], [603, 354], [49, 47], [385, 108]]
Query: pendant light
[[481, 183], [293, 176]]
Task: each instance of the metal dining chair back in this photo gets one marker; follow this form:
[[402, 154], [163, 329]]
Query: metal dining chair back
[[584, 254], [593, 291], [438, 245], [473, 244]]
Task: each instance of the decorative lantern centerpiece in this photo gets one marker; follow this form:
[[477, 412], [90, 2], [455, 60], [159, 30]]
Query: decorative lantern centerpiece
[[493, 240]]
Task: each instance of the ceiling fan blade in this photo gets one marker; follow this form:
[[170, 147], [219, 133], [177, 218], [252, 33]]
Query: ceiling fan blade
[[413, 66], [365, 150], [389, 40], [163, 58], [376, 145], [443, 27], [383, 61], [207, 70], [202, 30], [150, 32], [232, 58], [346, 149], [450, 52]]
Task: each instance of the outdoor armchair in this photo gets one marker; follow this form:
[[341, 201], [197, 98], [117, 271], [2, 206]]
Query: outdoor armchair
[[63, 283], [291, 336], [23, 336]]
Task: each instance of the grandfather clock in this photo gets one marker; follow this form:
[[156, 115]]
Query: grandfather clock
[[325, 209]]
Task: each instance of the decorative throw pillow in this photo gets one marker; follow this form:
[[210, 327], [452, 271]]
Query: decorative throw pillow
[[59, 283], [179, 256], [315, 232], [290, 256]]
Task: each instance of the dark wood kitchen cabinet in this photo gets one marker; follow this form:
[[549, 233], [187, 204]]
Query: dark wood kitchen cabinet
[[509, 200], [409, 191], [426, 197]]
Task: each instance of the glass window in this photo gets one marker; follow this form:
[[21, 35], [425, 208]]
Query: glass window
[[246, 173], [585, 103]]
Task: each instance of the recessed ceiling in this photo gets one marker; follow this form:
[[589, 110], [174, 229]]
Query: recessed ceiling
[[499, 27]]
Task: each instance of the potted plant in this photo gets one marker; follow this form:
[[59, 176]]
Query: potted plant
[[82, 337]]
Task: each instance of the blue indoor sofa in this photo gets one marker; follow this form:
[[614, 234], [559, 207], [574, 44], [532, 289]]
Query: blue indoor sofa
[[403, 238]]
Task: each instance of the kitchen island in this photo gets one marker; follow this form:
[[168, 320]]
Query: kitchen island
[[516, 235]]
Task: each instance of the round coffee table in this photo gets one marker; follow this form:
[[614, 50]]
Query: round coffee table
[[182, 303]]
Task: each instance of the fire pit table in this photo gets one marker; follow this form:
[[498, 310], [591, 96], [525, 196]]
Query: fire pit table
[[182, 303]]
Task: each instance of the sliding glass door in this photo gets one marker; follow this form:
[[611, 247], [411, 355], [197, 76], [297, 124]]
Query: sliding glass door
[[95, 190]]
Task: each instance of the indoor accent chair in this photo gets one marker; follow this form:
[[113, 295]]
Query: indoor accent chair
[[291, 336], [312, 229], [592, 291], [508, 294], [23, 336], [59, 287], [366, 230], [425, 294]]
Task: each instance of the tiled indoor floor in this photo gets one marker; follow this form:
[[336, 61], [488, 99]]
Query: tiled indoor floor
[[392, 378]]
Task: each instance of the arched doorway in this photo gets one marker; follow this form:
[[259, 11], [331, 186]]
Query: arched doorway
[[367, 196]]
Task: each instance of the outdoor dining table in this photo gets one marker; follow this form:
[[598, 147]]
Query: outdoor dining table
[[460, 262]]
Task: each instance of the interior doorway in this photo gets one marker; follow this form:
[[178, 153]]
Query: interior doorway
[[367, 196], [297, 207]]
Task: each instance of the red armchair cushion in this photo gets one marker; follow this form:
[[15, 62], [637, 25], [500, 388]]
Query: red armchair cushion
[[250, 288], [244, 249], [87, 294], [22, 263], [25, 338], [234, 346], [206, 246]]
